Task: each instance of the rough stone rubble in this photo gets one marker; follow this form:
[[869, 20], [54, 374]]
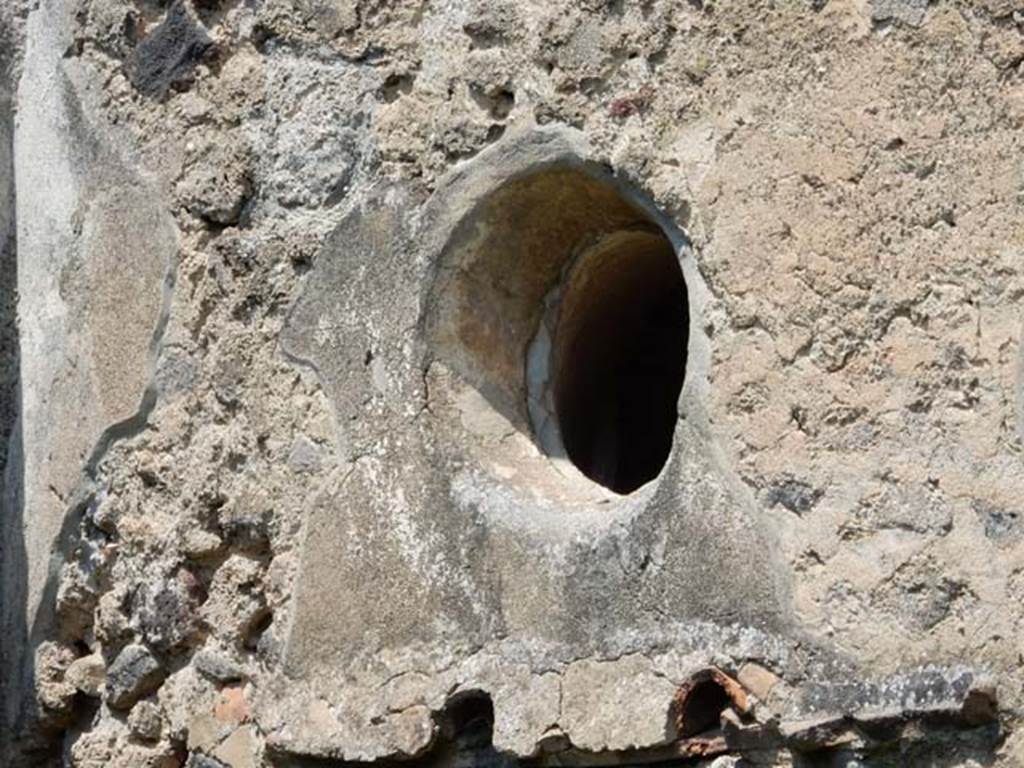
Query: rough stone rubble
[[255, 514]]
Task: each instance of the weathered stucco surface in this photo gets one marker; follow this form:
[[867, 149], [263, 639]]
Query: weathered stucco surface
[[286, 276]]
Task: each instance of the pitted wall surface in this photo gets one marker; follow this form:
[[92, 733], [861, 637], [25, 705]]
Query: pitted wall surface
[[286, 484]]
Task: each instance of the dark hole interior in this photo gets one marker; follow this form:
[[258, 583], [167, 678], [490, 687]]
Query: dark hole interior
[[703, 709], [468, 718], [620, 358]]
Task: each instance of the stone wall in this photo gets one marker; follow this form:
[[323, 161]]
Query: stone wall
[[300, 464]]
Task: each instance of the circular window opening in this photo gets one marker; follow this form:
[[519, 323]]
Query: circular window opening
[[559, 299], [619, 358]]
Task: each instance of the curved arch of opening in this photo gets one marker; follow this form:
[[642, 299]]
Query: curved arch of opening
[[564, 253]]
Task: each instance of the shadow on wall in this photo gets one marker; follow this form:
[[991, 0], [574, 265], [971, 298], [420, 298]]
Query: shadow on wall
[[16, 663]]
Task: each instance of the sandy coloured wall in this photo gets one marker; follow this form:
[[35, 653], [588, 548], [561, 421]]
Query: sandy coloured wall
[[285, 483]]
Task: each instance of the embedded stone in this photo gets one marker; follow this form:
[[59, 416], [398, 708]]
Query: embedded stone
[[87, 674], [145, 720], [217, 666], [758, 680], [238, 750], [167, 56], [133, 674]]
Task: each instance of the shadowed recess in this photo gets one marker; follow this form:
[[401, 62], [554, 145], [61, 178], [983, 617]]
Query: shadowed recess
[[620, 358]]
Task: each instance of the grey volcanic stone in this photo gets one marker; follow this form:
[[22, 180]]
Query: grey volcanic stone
[[909, 12], [305, 455], [795, 495], [166, 613], [134, 673], [167, 57], [216, 666]]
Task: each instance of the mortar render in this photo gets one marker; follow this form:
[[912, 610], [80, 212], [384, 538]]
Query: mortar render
[[269, 500], [442, 562]]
